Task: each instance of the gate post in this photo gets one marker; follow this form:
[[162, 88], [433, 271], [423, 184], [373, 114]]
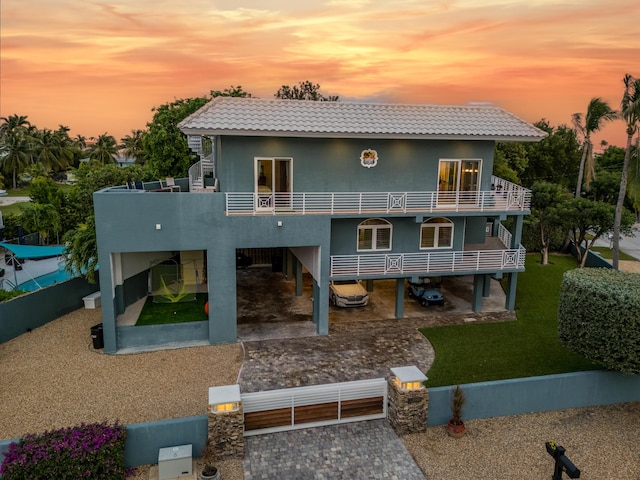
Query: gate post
[[408, 400], [226, 421]]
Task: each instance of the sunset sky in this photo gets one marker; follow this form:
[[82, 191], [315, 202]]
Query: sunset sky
[[100, 66]]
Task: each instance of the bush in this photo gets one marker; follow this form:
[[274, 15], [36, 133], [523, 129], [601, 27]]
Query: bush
[[599, 317], [92, 451], [9, 294]]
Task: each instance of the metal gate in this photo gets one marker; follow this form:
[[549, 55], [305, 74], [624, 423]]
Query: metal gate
[[304, 407]]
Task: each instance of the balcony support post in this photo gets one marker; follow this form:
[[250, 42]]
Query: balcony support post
[[516, 234], [399, 297], [512, 282], [369, 284], [486, 293], [478, 290]]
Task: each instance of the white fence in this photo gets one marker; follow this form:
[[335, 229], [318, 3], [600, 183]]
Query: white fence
[[505, 196], [423, 263]]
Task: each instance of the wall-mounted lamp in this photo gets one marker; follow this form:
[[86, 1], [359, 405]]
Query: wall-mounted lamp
[[279, 223], [224, 399], [409, 378], [158, 226]]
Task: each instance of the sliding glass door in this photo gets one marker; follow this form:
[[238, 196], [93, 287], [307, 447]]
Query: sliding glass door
[[273, 182], [459, 181]]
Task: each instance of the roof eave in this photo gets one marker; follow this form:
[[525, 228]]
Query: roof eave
[[386, 136]]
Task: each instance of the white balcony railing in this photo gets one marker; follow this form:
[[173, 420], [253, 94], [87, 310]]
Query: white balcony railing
[[479, 261], [505, 197]]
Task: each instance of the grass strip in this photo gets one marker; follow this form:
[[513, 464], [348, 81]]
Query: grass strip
[[180, 312], [523, 348]]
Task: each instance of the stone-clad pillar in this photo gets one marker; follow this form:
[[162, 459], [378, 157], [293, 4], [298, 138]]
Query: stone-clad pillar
[[408, 400], [226, 421]]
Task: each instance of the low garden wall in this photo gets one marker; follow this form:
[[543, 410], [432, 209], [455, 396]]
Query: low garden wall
[[536, 394], [484, 400], [37, 308]]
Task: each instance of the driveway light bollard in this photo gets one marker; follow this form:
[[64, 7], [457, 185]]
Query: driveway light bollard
[[226, 421], [408, 400]]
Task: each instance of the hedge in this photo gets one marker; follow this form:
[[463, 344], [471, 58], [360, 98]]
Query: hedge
[[599, 316]]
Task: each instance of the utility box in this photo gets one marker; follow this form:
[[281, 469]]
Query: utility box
[[175, 462]]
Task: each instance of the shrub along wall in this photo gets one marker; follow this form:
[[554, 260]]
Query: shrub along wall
[[599, 316]]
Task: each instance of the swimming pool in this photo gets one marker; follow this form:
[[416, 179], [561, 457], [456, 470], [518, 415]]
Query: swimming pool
[[46, 280]]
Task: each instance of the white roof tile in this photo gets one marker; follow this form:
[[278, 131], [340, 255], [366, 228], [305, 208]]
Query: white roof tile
[[251, 116]]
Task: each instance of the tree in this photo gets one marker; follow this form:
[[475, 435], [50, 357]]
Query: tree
[[510, 160], [14, 145], [133, 145], [304, 91], [41, 218], [53, 149], [598, 112], [166, 148], [231, 92], [45, 191], [104, 149], [555, 158], [82, 250], [548, 211], [630, 112], [590, 220]]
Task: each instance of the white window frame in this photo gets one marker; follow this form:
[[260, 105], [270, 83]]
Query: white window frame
[[429, 223], [385, 224]]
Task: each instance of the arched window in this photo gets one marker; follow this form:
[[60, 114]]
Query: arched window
[[436, 233], [374, 234]]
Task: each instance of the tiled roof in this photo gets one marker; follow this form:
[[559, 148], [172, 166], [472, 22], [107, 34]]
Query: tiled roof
[[250, 116]]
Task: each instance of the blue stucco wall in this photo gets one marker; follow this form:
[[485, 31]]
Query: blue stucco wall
[[42, 306], [536, 394], [333, 165]]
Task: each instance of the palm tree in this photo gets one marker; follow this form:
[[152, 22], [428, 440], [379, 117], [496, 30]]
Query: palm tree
[[14, 145], [132, 145], [41, 218], [630, 112], [104, 149], [52, 150], [598, 112]]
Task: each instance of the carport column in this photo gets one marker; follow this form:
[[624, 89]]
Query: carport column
[[369, 284], [226, 422], [298, 278], [478, 289], [399, 297], [321, 307], [221, 274]]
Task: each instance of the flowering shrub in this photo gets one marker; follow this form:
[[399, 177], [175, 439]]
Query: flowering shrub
[[93, 451]]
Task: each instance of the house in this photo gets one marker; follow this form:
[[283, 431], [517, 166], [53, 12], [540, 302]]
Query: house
[[343, 190]]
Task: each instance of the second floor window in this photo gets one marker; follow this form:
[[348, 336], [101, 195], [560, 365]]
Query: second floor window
[[436, 233], [374, 234]]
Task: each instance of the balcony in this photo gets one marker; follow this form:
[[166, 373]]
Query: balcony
[[503, 197], [439, 263]]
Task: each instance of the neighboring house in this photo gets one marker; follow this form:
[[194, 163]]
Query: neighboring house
[[345, 190]]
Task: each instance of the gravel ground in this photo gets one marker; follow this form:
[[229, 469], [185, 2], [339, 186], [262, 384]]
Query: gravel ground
[[52, 377]]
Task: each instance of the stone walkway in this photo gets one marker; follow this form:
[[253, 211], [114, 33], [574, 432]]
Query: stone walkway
[[349, 451]]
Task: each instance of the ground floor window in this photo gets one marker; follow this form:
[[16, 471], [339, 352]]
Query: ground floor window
[[436, 233], [374, 234]]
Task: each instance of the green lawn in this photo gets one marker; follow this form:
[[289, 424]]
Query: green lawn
[[163, 313], [524, 348], [607, 253]]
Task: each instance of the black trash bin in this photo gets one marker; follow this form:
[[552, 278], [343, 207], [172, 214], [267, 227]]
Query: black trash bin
[[97, 336]]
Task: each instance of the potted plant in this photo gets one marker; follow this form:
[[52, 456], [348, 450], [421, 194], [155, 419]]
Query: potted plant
[[456, 427], [209, 470]]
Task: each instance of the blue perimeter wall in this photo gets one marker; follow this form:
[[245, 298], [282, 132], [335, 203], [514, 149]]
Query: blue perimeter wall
[[484, 400]]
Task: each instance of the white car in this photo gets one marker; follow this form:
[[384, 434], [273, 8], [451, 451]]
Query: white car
[[348, 293]]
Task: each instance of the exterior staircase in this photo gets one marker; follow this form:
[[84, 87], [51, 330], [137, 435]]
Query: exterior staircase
[[199, 170]]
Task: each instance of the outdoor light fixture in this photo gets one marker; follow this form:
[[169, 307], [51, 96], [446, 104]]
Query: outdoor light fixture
[[409, 378], [158, 226], [224, 399]]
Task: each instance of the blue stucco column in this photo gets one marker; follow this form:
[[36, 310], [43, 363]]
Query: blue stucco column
[[512, 283], [369, 284], [478, 289], [315, 296], [486, 292], [298, 277], [516, 234], [400, 298], [221, 274], [109, 329]]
